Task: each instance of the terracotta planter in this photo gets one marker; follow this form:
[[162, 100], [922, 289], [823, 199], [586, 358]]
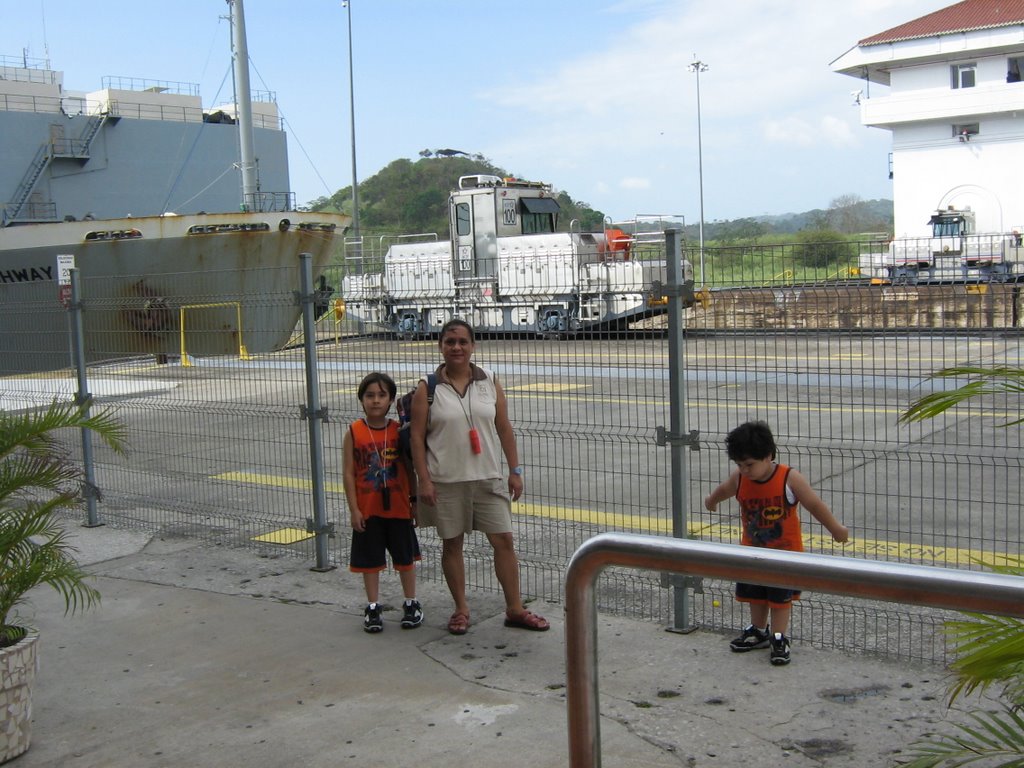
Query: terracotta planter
[[18, 665]]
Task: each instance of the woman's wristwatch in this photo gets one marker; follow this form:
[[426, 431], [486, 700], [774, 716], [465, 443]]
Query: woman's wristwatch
[[516, 471]]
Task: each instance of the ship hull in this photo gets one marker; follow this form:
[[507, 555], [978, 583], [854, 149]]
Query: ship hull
[[204, 284]]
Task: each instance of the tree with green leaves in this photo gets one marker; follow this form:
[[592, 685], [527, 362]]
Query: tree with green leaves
[[408, 197]]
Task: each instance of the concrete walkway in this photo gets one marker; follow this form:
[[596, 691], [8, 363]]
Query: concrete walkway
[[201, 656]]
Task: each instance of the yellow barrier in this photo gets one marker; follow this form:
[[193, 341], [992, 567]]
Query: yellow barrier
[[242, 353]]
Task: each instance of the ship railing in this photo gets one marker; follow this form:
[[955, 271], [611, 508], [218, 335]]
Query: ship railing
[[116, 83], [21, 70], [30, 213], [269, 202]]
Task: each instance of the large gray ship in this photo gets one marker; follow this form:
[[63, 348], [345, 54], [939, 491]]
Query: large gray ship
[[141, 186]]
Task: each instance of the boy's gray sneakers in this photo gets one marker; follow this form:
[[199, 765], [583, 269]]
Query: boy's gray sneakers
[[751, 639], [372, 620], [412, 614], [780, 649]]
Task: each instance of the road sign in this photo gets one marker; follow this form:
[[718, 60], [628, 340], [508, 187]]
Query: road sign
[[65, 263]]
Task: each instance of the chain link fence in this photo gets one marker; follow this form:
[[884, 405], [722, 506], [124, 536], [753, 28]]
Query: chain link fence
[[219, 447]]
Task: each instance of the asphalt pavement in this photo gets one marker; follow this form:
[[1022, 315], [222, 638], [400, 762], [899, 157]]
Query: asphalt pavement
[[209, 656]]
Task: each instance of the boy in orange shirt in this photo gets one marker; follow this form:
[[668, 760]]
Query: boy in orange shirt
[[769, 495], [380, 488]]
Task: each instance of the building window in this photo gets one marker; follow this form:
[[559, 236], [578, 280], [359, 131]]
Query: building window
[[962, 75], [1013, 67], [965, 131]]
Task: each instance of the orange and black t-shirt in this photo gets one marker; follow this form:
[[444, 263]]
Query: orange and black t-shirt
[[379, 466], [770, 512]]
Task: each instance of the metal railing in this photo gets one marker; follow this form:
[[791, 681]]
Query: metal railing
[[892, 582]]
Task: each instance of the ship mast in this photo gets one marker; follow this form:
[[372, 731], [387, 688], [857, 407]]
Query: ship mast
[[243, 106]]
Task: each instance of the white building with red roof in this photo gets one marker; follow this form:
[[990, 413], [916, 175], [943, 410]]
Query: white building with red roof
[[949, 87]]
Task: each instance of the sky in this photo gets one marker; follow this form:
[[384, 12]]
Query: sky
[[595, 97]]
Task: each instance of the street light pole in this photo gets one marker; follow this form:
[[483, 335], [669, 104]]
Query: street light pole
[[697, 67], [352, 111]]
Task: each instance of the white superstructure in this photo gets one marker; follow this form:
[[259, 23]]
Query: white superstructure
[[948, 86]]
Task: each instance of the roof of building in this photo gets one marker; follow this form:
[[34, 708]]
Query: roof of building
[[961, 17]]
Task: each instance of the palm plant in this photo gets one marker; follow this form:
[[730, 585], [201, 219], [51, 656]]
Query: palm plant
[[37, 481], [984, 381], [990, 649]]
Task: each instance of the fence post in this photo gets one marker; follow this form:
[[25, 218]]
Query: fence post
[[679, 442], [314, 415], [83, 399]]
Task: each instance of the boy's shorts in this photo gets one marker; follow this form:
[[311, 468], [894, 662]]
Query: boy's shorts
[[773, 596], [384, 534], [473, 505]]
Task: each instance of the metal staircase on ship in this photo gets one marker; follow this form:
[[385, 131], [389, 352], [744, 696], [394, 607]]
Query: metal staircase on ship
[[21, 210]]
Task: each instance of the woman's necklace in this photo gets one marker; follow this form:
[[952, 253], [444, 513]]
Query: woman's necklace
[[382, 467], [474, 436]]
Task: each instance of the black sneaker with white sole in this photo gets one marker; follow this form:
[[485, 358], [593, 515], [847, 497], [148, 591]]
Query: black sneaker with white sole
[[372, 620], [780, 649], [751, 639], [412, 614]]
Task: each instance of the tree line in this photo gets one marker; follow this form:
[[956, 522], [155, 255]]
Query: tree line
[[408, 197]]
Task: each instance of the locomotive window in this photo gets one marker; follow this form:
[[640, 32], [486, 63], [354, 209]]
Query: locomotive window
[[539, 205], [462, 223], [538, 215]]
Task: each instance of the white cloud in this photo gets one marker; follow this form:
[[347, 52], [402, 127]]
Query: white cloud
[[634, 182], [837, 132], [790, 130]]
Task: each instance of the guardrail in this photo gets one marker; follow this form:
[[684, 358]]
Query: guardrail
[[894, 582]]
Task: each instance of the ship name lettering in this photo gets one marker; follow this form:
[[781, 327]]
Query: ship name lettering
[[26, 275]]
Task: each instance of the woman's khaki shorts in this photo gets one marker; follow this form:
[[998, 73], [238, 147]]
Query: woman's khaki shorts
[[474, 505]]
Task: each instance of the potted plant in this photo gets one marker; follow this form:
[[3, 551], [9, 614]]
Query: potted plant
[[38, 481]]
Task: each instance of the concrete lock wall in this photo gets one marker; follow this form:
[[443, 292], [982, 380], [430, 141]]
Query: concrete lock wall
[[984, 306]]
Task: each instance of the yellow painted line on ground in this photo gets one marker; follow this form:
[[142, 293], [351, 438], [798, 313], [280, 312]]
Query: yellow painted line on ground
[[813, 542], [284, 536], [654, 525], [704, 405], [964, 412], [277, 481], [544, 387]]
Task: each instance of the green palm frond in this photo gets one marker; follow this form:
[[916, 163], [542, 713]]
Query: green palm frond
[[987, 381], [990, 650], [37, 479], [35, 432], [997, 738]]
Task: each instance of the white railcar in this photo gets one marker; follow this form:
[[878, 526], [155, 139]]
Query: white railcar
[[505, 268], [954, 253]]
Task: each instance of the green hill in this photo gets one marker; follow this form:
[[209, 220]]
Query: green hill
[[412, 197], [409, 197]]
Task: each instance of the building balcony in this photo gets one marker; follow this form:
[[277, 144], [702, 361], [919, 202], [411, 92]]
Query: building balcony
[[950, 104]]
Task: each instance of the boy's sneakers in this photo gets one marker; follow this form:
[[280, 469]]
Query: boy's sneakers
[[372, 621], [412, 614], [780, 649], [751, 639]]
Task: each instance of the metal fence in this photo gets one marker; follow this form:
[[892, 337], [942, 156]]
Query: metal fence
[[220, 444]]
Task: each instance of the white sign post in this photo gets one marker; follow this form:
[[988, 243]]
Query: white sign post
[[65, 263]]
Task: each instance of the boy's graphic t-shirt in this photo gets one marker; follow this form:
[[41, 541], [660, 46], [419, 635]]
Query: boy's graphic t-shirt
[[770, 512], [382, 481]]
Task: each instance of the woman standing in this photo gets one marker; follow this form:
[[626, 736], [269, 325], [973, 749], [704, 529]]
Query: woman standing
[[457, 442]]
